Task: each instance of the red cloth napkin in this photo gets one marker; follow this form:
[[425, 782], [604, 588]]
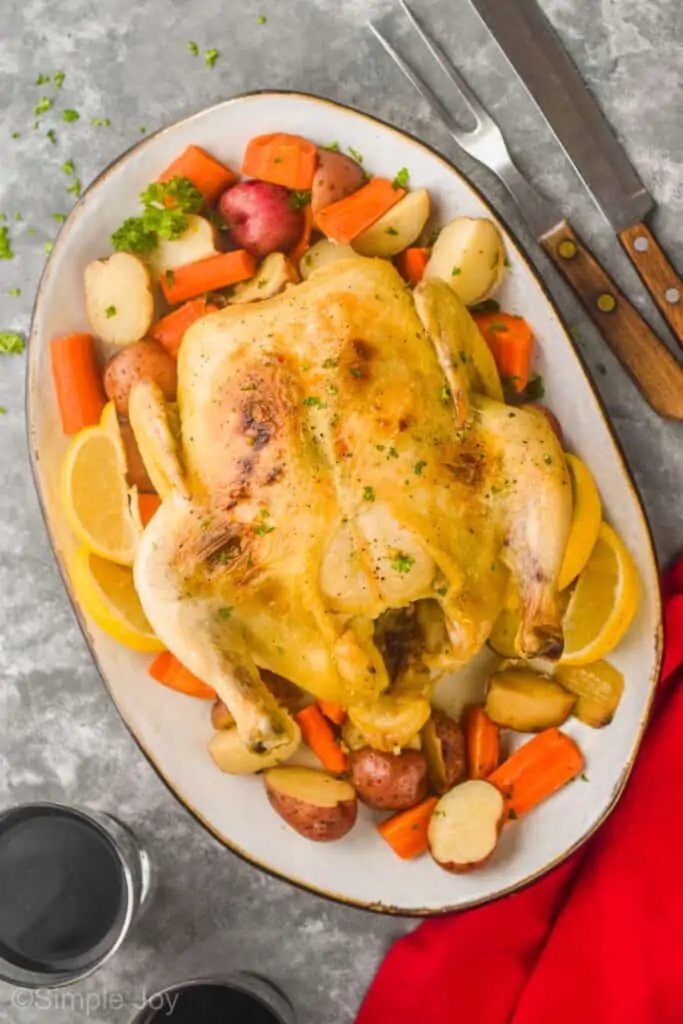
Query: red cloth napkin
[[597, 941]]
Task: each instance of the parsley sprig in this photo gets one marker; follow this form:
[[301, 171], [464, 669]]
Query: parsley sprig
[[165, 208]]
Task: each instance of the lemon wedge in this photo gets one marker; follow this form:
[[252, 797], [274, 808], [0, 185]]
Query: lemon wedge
[[107, 593], [95, 493], [603, 602], [585, 521]]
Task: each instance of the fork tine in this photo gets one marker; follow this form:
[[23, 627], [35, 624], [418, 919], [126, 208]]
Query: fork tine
[[430, 97], [476, 109]]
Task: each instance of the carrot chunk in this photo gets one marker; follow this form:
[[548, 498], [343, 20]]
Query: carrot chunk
[[510, 340], [406, 832], [482, 742], [205, 172], [345, 220], [282, 159], [537, 770], [207, 275], [411, 264], [78, 381], [318, 734], [167, 670], [170, 330]]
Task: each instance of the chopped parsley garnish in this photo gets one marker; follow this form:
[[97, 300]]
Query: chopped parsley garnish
[[332, 146], [314, 402], [277, 160], [445, 394], [358, 157], [70, 115], [69, 167], [330, 364], [16, 135], [59, 217], [109, 312], [456, 271], [169, 277], [49, 246], [181, 191], [225, 612], [42, 79], [101, 122], [402, 563], [390, 231], [548, 459], [59, 77], [211, 56], [380, 447], [141, 234], [51, 134], [533, 392], [6, 252], [262, 283], [11, 343], [498, 326], [368, 494], [261, 529], [133, 237], [14, 291], [392, 453], [75, 188], [42, 106], [3, 410], [402, 178], [419, 466], [512, 814], [584, 778], [297, 200], [17, 216], [441, 591], [192, 47], [356, 371], [142, 130], [261, 20]]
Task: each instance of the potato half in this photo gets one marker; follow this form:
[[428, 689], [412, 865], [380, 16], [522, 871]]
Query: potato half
[[523, 700], [314, 803], [469, 256], [323, 253], [233, 756], [197, 242], [389, 782], [443, 743], [272, 277], [397, 229], [464, 828], [118, 298]]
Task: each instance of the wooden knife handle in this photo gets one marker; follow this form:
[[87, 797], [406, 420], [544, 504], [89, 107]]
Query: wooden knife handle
[[646, 358], [661, 280]]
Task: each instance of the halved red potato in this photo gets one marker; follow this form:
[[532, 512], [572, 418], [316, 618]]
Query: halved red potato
[[337, 176], [443, 743], [388, 782], [141, 360], [316, 804], [465, 825]]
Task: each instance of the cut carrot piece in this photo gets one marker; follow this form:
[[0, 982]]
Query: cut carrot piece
[[305, 241], [170, 331], [345, 220], [537, 770], [207, 174], [411, 264], [332, 711], [168, 671], [406, 832], [207, 275], [78, 381], [317, 732], [282, 159], [147, 506], [510, 340], [482, 741]]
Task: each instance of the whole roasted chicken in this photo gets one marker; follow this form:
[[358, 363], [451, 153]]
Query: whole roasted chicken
[[342, 463]]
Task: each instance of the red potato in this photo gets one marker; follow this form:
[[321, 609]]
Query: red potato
[[260, 217], [141, 360], [443, 743], [314, 803], [337, 176], [388, 782], [464, 828]]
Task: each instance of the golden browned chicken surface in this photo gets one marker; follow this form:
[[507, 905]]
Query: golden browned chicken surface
[[344, 459]]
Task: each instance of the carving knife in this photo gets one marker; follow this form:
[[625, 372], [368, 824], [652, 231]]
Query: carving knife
[[539, 59]]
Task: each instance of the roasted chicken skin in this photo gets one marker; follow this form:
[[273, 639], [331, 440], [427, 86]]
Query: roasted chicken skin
[[343, 450]]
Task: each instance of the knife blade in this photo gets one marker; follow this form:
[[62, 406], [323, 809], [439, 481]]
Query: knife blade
[[537, 55]]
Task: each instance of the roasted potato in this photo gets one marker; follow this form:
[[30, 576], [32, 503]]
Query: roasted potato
[[443, 743], [337, 176], [468, 255], [221, 718], [118, 298], [137, 474], [272, 277], [321, 254], [261, 218], [233, 756], [388, 782], [464, 828], [397, 229], [197, 242], [390, 723], [598, 689], [523, 700], [141, 360], [314, 803]]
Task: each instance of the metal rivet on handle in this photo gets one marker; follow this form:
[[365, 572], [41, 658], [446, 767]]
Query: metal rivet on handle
[[641, 244], [567, 249], [672, 295], [606, 303]]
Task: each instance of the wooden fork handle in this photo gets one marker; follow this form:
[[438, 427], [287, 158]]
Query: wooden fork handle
[[659, 277], [649, 362]]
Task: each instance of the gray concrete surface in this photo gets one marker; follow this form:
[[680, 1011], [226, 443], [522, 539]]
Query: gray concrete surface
[[60, 736]]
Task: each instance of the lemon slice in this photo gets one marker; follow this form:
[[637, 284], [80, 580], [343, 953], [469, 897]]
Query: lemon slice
[[603, 603], [95, 493], [107, 593], [585, 521]]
